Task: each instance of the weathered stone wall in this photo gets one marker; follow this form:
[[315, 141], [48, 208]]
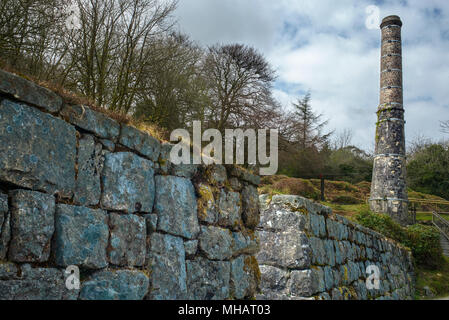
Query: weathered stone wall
[[309, 253], [78, 188]]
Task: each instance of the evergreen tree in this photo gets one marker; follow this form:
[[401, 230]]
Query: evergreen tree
[[308, 125]]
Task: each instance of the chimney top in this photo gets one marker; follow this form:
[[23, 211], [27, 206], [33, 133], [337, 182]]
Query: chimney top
[[391, 20]]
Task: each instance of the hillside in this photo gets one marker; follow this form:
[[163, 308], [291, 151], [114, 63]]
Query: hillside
[[344, 198]]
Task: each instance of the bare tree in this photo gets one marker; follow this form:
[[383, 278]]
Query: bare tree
[[173, 92], [343, 139], [444, 126], [239, 81], [31, 33], [418, 143], [109, 51]]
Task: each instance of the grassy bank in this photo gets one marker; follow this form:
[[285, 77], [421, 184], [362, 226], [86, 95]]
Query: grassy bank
[[436, 280]]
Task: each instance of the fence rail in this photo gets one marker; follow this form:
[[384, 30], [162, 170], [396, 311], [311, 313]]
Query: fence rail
[[441, 224], [428, 201]]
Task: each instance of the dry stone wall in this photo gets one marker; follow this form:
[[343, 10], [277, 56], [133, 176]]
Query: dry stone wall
[[78, 188], [306, 252]]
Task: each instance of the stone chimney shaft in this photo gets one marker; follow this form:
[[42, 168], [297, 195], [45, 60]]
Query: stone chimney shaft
[[388, 187]]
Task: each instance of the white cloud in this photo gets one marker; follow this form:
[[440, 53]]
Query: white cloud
[[324, 46]]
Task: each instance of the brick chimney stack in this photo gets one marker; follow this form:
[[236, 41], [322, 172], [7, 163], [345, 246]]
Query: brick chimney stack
[[388, 187]]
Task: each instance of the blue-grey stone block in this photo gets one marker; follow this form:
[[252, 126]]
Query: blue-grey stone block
[[164, 158], [369, 240], [330, 252], [354, 271], [361, 289], [207, 208], [9, 271], [328, 278], [244, 282], [339, 254], [191, 247], [250, 206], [216, 243], [362, 269], [235, 184], [208, 280], [369, 253], [337, 277], [386, 287], [324, 296], [229, 208], [37, 150], [29, 92], [318, 251], [32, 226], [319, 284], [127, 243], [36, 284], [330, 227], [275, 279], [115, 285], [351, 253], [217, 174], [360, 238], [151, 222], [108, 145], [3, 205], [395, 296], [5, 236], [244, 175], [128, 183], [141, 142], [3, 216], [81, 237], [300, 283], [276, 218], [168, 267], [337, 294], [344, 233], [90, 166], [92, 121], [184, 170], [244, 243], [345, 276], [276, 249], [176, 206], [317, 225]]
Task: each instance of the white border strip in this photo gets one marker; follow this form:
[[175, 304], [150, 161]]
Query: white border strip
[[390, 70], [391, 87], [386, 155], [391, 26], [391, 199]]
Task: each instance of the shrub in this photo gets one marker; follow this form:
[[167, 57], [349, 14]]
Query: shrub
[[383, 224], [298, 187], [265, 180], [424, 241], [436, 280], [425, 244], [344, 186], [346, 200]]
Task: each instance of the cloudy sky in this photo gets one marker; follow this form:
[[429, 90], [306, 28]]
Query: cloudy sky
[[325, 46]]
